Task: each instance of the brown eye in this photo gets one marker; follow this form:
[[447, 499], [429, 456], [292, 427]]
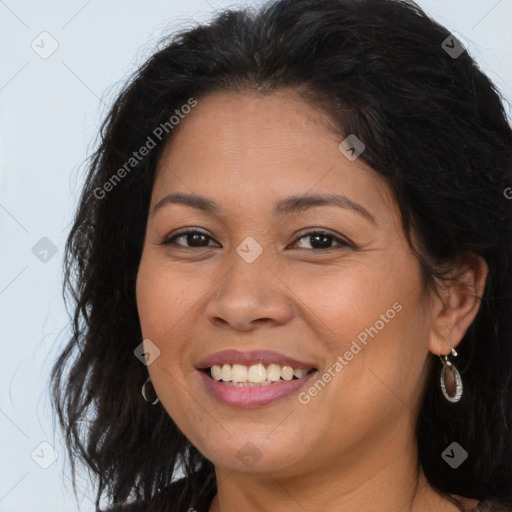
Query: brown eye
[[193, 239], [323, 240]]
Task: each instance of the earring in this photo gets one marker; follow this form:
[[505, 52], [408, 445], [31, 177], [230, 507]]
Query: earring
[[451, 382], [149, 390]]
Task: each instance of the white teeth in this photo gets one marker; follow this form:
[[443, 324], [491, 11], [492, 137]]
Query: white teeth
[[226, 373], [273, 372], [239, 374], [216, 372], [299, 373], [287, 373], [257, 373]]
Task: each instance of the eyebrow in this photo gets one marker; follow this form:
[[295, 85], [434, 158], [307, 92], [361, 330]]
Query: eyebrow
[[290, 205]]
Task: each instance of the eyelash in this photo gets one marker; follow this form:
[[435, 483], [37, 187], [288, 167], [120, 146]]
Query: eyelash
[[342, 243]]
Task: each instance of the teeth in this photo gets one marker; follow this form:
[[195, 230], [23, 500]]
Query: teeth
[[216, 372], [256, 373], [226, 373], [287, 373], [299, 373], [273, 372], [239, 374]]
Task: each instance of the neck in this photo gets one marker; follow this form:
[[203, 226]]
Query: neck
[[384, 477]]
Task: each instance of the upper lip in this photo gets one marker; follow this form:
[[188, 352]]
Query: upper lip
[[252, 357]]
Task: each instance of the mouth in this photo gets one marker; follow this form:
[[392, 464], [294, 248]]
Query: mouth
[[241, 375], [254, 378]]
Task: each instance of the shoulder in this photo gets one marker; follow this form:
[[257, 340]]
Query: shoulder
[[493, 505]]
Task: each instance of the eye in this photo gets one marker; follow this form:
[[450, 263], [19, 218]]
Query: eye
[[195, 239], [321, 239]]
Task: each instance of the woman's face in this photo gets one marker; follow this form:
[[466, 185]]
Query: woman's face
[[260, 280]]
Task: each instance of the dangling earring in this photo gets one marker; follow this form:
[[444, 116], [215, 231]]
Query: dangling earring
[[148, 389], [451, 382]]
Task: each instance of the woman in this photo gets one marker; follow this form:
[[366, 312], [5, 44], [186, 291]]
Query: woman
[[291, 272]]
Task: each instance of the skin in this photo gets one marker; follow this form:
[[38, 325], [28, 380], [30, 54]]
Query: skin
[[353, 445]]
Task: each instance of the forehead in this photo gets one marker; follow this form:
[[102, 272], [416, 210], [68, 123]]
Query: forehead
[[249, 145], [250, 124]]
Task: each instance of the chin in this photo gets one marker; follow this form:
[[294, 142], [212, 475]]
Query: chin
[[254, 455]]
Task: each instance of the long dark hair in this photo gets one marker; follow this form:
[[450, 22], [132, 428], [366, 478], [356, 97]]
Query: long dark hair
[[433, 125]]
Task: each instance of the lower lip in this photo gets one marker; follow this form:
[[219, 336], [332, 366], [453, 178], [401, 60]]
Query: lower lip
[[253, 396]]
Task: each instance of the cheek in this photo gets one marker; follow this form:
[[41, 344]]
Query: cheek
[[348, 301], [374, 317], [162, 304], [164, 296], [163, 301]]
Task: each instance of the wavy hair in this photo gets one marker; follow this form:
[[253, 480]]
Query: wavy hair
[[434, 127]]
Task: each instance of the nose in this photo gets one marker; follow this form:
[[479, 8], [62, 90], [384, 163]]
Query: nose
[[249, 294]]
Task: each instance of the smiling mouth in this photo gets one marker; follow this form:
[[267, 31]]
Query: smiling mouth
[[255, 375]]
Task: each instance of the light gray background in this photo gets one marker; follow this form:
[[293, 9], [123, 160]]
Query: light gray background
[[50, 113]]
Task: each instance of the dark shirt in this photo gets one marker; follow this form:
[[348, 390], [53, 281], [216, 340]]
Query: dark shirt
[[491, 505]]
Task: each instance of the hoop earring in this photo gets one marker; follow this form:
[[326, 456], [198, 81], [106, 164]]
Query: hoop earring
[[153, 399], [451, 382]]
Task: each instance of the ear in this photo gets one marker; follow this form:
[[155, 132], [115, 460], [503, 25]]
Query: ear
[[456, 304]]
